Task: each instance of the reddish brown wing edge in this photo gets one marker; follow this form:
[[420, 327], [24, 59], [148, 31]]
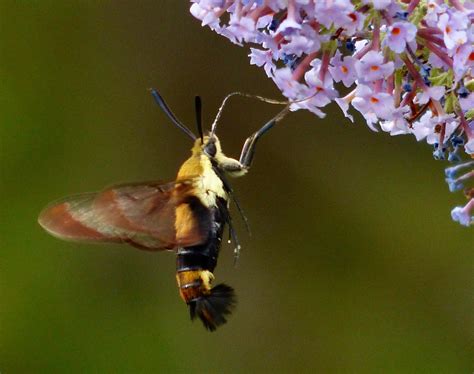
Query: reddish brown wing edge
[[140, 214]]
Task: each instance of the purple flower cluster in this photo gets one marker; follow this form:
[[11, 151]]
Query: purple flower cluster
[[407, 66]]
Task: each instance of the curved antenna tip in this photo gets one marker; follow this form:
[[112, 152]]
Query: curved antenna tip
[[164, 107]]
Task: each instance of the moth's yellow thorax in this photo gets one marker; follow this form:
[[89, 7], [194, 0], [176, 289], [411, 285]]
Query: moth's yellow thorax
[[207, 185]]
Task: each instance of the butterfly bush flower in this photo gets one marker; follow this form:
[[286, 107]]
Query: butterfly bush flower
[[398, 35], [343, 69], [406, 65]]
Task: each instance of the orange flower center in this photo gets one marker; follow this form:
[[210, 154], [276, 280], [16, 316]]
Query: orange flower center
[[374, 68], [344, 69], [352, 16], [396, 30], [374, 100], [471, 56], [447, 29]]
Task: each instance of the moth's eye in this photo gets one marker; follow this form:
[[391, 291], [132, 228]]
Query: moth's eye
[[210, 149]]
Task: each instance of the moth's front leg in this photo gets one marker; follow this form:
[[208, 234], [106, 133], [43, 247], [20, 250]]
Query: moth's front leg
[[233, 167]]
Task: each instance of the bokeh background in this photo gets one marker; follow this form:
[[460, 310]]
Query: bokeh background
[[354, 264]]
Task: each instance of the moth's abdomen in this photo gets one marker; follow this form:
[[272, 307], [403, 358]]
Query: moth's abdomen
[[194, 274]]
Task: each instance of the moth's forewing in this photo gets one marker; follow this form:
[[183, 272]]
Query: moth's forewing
[[147, 215], [74, 218]]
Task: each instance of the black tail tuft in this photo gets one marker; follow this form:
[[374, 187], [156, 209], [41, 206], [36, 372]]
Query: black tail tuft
[[212, 309]]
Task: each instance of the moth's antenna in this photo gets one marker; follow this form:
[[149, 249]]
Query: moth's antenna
[[198, 107], [164, 107], [248, 150], [261, 98]]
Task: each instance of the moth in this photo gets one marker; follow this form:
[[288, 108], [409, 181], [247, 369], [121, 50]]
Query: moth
[[187, 215]]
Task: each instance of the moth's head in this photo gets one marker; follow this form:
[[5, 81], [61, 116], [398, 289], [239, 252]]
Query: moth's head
[[209, 146]]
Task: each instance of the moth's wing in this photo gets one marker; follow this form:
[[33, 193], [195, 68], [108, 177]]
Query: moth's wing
[[148, 215], [168, 212]]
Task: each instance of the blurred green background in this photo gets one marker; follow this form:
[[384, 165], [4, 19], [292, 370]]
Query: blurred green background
[[354, 264]]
